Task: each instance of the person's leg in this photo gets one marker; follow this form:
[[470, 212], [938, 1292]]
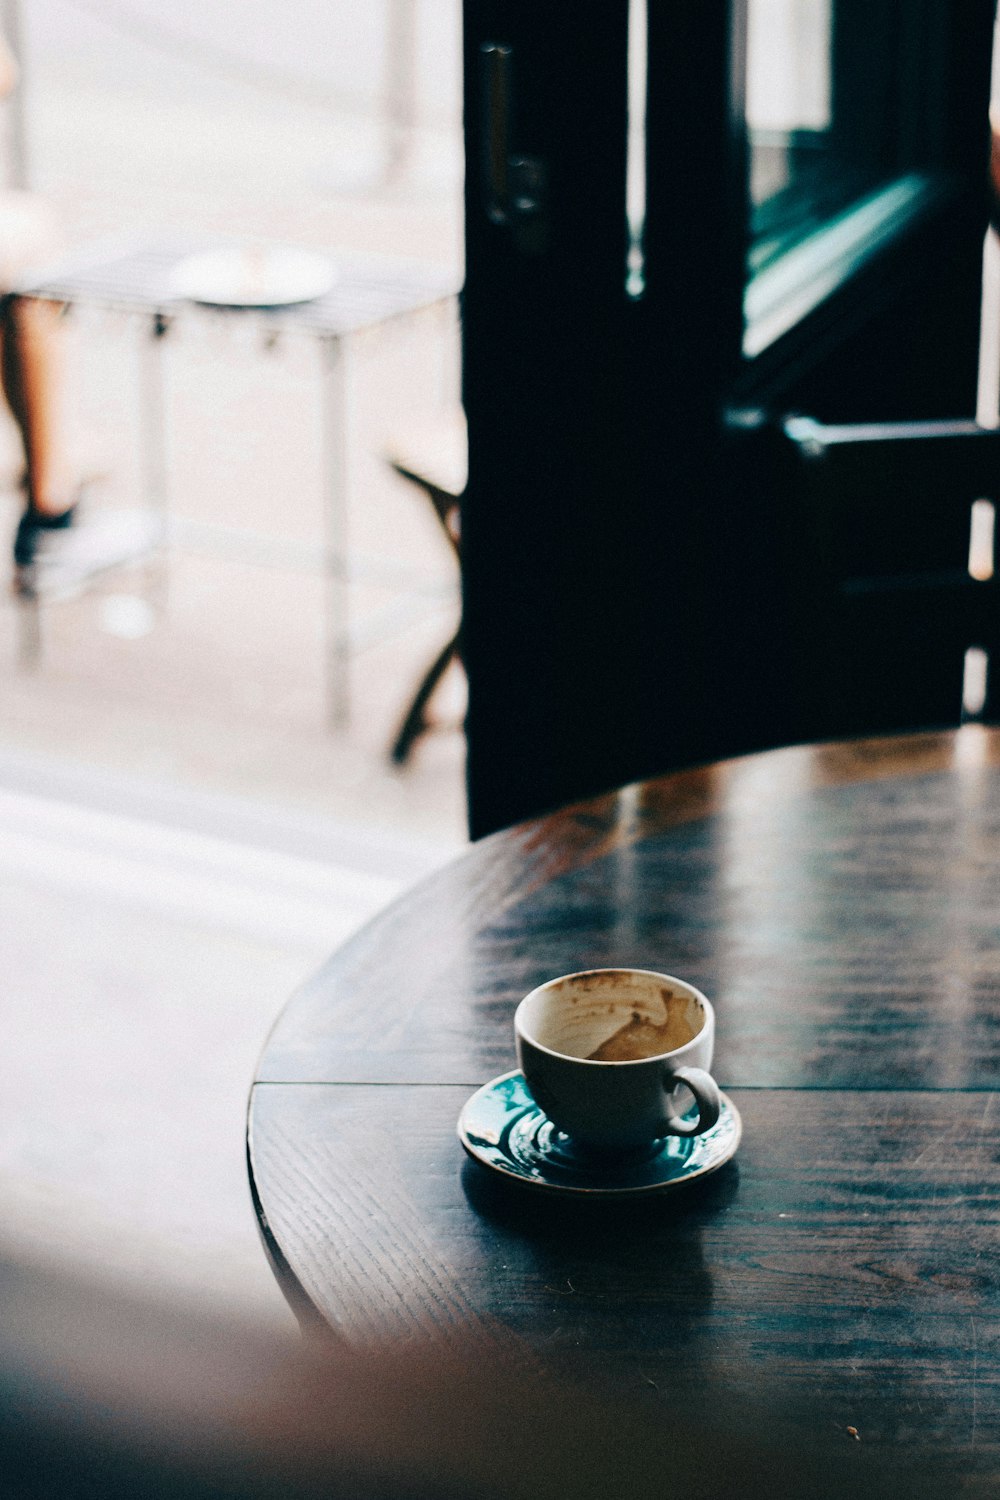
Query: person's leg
[[31, 365], [31, 370], [59, 544]]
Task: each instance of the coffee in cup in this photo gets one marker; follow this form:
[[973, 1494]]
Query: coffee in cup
[[610, 1055]]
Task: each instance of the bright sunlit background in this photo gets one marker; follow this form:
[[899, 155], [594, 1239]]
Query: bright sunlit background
[[328, 127], [183, 835]]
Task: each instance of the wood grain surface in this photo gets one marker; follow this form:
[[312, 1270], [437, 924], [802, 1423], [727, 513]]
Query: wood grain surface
[[839, 904], [850, 1253]]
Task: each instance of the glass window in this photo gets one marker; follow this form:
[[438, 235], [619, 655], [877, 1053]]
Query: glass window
[[836, 108], [789, 121]]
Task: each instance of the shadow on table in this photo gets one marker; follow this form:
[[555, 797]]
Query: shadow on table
[[547, 1213], [577, 1268]]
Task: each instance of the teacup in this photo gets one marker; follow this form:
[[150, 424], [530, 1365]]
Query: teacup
[[609, 1053]]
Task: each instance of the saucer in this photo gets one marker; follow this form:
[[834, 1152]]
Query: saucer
[[502, 1127]]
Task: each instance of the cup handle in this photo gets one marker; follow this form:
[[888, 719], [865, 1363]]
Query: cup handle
[[706, 1095]]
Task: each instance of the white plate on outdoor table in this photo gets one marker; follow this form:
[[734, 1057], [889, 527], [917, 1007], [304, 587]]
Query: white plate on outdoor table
[[253, 276], [503, 1128]]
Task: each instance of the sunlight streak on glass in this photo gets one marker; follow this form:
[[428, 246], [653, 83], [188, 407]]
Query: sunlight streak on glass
[[974, 682], [982, 527], [635, 161]]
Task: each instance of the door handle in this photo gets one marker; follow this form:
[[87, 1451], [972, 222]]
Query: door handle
[[496, 83], [514, 186]]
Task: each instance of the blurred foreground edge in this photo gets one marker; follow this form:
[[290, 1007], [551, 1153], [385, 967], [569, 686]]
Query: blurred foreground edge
[[103, 1396]]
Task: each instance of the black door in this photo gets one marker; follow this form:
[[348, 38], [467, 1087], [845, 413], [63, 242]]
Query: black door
[[687, 219]]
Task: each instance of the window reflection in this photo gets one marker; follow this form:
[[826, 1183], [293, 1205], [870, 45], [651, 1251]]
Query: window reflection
[[840, 126], [805, 166]]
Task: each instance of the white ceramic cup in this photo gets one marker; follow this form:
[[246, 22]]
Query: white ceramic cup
[[653, 1037]]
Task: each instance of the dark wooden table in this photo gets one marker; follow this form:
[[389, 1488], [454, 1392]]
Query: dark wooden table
[[841, 906]]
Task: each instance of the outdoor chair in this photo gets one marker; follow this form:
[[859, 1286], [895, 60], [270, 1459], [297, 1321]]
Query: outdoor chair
[[435, 460]]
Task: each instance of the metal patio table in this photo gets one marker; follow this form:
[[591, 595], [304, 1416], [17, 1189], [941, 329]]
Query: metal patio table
[[133, 277]]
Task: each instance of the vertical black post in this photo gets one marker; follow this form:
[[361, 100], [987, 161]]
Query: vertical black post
[[686, 352], [542, 527]]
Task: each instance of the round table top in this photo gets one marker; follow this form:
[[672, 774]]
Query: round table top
[[840, 904]]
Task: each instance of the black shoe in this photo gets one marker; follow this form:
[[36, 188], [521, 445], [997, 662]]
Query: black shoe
[[55, 556], [31, 528]]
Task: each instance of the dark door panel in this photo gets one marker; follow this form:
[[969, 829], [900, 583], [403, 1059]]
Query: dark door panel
[[626, 589]]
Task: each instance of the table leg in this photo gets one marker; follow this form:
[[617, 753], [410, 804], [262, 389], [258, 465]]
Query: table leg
[[153, 430], [29, 648], [333, 417]]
